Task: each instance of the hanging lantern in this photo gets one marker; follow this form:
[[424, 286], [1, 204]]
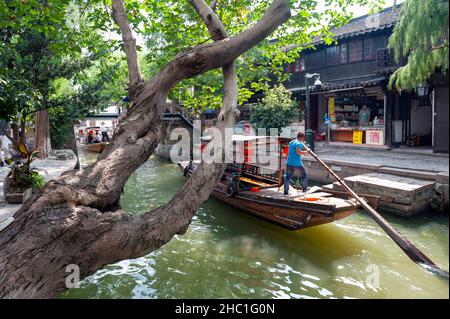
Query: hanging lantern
[[422, 89]]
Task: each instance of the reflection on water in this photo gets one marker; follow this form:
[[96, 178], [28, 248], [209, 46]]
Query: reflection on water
[[228, 254]]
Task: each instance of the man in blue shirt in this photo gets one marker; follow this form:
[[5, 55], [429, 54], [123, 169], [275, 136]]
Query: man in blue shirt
[[294, 165]]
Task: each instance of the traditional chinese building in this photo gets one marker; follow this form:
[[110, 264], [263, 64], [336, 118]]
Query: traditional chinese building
[[354, 75]]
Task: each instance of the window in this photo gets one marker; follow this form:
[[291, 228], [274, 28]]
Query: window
[[332, 55], [355, 51], [343, 53], [298, 66], [368, 48], [287, 68]]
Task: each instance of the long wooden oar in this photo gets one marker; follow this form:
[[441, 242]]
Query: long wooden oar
[[412, 251]]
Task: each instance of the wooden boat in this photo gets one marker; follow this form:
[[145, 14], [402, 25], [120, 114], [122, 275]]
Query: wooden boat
[[257, 190], [93, 147]]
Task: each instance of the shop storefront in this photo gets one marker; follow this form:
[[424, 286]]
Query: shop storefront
[[356, 117]]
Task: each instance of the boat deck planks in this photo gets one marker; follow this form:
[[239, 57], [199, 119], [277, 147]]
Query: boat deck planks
[[325, 198], [276, 192]]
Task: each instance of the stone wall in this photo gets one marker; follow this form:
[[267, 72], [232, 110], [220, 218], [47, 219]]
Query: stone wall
[[436, 197]]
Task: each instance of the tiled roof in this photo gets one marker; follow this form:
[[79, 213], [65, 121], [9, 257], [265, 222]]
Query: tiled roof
[[367, 23]]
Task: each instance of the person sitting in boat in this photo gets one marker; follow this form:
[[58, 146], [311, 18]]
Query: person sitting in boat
[[294, 164], [90, 137], [97, 138]]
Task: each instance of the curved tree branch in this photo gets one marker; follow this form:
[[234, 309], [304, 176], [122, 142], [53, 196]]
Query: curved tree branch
[[206, 57], [187, 200], [76, 218], [210, 18], [129, 41], [213, 5]]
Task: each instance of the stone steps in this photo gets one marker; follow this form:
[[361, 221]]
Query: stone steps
[[399, 195]]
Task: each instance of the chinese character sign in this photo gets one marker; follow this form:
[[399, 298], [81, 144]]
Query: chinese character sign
[[332, 116], [375, 137]]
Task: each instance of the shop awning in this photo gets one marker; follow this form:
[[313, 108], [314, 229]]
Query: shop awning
[[333, 86]]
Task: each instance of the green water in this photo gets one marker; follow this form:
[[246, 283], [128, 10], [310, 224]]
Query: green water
[[228, 254]]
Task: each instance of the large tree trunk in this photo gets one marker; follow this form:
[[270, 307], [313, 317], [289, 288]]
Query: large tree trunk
[[42, 140], [76, 218]]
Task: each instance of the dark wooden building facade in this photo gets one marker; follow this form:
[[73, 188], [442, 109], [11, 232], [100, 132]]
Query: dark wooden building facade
[[354, 75]]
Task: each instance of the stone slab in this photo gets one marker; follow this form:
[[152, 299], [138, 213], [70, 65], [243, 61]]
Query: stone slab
[[442, 178], [408, 173], [403, 210], [403, 190]]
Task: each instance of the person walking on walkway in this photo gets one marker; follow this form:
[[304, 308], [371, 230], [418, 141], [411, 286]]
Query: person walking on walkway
[[294, 164]]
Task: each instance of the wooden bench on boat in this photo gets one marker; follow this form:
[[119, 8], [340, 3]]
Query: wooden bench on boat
[[253, 182]]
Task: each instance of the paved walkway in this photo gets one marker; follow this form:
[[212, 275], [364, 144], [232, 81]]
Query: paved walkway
[[49, 168], [385, 158]]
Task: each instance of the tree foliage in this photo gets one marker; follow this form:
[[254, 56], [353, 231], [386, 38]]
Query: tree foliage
[[170, 27], [421, 35], [43, 43], [74, 34], [90, 91], [276, 109]]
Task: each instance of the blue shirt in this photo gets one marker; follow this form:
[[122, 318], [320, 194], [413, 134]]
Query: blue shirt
[[293, 158]]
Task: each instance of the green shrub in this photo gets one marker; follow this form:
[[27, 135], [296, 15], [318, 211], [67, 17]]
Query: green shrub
[[276, 110], [37, 180]]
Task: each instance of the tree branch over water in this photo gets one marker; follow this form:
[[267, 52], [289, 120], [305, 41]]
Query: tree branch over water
[[76, 219]]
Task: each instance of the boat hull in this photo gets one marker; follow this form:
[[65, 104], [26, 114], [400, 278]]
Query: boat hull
[[291, 218], [94, 147]]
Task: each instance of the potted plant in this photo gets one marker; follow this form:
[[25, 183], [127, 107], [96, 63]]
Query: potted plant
[[22, 180]]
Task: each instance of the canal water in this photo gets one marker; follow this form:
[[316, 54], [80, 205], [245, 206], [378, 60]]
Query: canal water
[[228, 254]]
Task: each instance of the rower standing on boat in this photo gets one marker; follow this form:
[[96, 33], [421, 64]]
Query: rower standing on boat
[[294, 164]]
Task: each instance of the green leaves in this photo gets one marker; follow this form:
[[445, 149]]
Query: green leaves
[[50, 41], [276, 110], [50, 49], [173, 26], [421, 36]]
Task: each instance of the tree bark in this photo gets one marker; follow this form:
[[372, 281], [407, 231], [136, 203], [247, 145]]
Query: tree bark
[[71, 143], [43, 143], [76, 218], [22, 130], [15, 135]]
